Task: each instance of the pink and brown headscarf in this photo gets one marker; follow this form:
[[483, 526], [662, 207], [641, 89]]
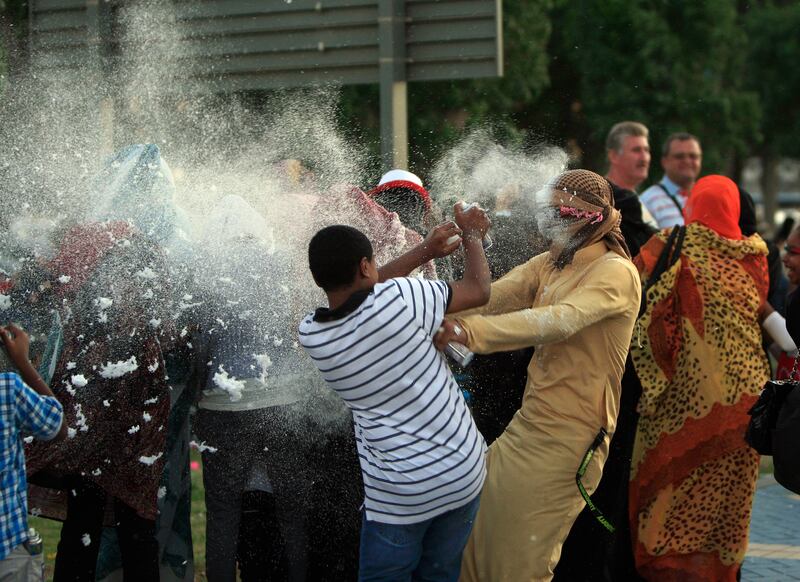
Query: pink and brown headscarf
[[585, 202]]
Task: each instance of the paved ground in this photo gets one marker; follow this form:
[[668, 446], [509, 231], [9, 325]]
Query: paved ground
[[774, 551]]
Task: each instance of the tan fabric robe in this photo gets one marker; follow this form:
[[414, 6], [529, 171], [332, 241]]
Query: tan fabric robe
[[580, 320]]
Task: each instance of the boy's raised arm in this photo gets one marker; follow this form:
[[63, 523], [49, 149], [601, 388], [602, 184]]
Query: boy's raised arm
[[439, 243], [474, 288]]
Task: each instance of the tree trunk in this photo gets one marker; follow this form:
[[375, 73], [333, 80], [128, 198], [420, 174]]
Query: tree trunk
[[6, 40], [736, 167], [770, 185], [14, 46]]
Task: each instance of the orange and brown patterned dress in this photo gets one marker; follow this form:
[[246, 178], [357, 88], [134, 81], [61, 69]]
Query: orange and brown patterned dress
[[698, 354]]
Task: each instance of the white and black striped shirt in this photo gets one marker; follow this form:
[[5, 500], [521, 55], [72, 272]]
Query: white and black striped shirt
[[420, 451]]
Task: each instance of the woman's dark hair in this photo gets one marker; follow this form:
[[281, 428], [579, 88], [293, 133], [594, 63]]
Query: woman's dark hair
[[334, 255], [786, 228], [747, 213]]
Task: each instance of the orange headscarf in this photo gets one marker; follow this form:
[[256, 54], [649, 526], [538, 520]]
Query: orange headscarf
[[714, 202]]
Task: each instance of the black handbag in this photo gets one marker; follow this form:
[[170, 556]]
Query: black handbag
[[786, 442], [774, 428], [764, 414]]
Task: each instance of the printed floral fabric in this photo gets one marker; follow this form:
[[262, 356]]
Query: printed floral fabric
[[110, 377], [698, 354]]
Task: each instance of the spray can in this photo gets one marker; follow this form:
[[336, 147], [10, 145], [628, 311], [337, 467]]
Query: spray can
[[487, 240], [34, 545], [460, 353], [35, 549]]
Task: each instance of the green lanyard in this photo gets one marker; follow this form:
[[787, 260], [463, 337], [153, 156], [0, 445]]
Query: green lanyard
[[598, 440]]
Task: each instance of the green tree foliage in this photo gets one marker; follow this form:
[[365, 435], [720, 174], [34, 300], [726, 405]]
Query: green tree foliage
[[574, 68], [13, 27], [676, 65], [773, 57], [774, 51]]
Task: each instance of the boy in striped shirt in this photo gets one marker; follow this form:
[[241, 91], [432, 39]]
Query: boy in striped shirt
[[421, 455]]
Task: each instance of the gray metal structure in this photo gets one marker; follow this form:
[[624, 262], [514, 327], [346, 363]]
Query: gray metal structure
[[240, 45]]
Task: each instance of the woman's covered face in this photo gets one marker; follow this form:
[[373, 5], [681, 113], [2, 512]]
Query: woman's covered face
[[547, 218], [551, 224]]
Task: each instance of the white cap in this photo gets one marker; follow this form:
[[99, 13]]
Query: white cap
[[399, 175]]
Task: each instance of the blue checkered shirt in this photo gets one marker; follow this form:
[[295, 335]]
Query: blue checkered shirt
[[22, 411]]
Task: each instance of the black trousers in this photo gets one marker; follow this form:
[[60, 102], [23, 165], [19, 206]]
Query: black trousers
[[76, 560], [242, 439], [261, 551]]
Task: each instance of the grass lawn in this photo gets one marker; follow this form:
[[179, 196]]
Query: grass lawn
[[50, 530]]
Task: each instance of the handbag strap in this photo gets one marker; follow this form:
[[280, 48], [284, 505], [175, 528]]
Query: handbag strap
[[668, 257]]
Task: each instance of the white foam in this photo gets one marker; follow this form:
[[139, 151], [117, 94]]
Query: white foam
[[119, 369]]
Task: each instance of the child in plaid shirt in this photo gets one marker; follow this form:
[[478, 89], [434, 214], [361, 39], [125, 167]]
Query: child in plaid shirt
[[26, 406]]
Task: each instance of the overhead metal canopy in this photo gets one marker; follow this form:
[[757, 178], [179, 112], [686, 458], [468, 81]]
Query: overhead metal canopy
[[239, 45]]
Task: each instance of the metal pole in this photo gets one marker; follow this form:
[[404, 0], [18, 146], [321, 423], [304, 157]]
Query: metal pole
[[96, 19], [393, 87]]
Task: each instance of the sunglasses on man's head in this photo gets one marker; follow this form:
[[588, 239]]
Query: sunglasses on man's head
[[791, 250]]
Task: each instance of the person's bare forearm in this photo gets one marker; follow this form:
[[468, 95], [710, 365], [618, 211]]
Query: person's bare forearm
[[474, 289], [16, 344], [32, 378], [405, 263], [440, 242], [476, 267]]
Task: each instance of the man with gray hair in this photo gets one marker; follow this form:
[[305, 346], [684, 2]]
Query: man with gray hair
[[681, 158], [628, 153]]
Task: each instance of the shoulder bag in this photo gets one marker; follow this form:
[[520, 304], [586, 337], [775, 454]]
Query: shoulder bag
[[774, 428]]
